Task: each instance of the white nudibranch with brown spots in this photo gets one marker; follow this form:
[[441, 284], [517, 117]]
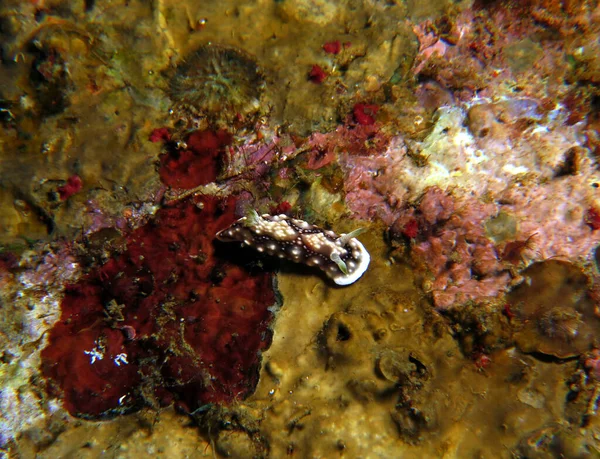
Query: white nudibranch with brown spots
[[342, 257]]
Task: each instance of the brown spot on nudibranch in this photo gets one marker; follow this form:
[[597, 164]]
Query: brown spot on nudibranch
[[341, 257]]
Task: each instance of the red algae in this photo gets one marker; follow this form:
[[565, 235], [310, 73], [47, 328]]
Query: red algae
[[74, 185], [332, 47], [198, 163], [172, 319], [364, 114], [160, 135], [317, 75]]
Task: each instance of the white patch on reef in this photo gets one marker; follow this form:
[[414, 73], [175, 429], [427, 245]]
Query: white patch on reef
[[97, 353], [514, 170], [121, 359]]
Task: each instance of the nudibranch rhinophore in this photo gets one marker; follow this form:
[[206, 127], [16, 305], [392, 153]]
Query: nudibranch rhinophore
[[342, 257]]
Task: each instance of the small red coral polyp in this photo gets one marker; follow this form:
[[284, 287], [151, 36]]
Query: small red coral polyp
[[170, 319], [196, 165], [411, 229]]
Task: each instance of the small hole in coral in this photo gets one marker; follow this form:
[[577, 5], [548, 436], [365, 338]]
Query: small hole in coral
[[343, 333]]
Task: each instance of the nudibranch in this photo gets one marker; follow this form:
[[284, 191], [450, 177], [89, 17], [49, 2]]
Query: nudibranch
[[342, 257]]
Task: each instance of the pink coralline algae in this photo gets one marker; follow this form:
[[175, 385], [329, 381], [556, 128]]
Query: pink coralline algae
[[455, 259], [475, 53], [170, 320], [354, 142], [508, 160], [372, 191]]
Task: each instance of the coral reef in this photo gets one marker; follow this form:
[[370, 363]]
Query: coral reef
[[542, 184], [462, 135], [451, 251]]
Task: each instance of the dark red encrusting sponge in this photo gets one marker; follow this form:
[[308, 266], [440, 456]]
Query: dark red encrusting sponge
[[196, 165], [170, 320]]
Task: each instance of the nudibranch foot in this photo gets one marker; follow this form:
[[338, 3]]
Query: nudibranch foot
[[342, 257]]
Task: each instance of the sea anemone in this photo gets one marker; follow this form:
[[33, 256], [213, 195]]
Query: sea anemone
[[220, 84]]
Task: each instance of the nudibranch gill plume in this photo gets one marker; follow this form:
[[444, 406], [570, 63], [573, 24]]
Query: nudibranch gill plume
[[342, 257]]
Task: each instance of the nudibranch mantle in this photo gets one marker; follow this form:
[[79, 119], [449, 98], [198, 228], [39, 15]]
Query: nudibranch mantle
[[342, 257]]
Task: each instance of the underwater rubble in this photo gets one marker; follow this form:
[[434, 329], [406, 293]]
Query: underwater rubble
[[461, 137]]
